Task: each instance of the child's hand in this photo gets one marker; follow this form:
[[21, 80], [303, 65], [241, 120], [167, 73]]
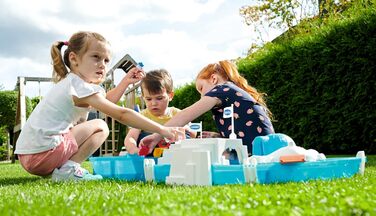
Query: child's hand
[[210, 134], [133, 150], [150, 142], [134, 75], [190, 133], [173, 134]]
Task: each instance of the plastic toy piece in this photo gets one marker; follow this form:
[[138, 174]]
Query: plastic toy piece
[[197, 167], [362, 156], [149, 169], [140, 65], [291, 159], [264, 145], [158, 152], [144, 151], [201, 162], [191, 160], [287, 147], [163, 144], [250, 171]]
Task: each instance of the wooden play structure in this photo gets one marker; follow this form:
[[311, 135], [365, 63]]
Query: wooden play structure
[[113, 144], [21, 106]]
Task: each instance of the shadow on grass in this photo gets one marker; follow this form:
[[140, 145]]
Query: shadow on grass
[[18, 180]]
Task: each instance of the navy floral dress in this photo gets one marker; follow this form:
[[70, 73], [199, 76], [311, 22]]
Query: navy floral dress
[[250, 118]]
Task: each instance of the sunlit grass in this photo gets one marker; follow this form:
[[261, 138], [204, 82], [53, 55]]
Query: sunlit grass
[[22, 194]]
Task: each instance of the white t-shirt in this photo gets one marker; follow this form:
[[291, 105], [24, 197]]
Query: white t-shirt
[[55, 115]]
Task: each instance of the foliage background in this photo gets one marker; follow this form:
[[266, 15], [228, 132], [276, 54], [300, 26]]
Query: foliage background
[[8, 109], [319, 77], [186, 96], [320, 80]]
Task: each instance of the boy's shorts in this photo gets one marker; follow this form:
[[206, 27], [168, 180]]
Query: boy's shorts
[[44, 163]]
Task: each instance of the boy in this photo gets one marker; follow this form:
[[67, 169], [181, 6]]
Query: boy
[[157, 92]]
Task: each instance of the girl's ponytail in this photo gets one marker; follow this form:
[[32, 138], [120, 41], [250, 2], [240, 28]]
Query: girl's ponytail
[[59, 69], [234, 76], [78, 44], [228, 70]]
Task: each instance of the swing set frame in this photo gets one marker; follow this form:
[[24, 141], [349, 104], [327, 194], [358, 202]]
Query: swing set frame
[[110, 146], [21, 106]]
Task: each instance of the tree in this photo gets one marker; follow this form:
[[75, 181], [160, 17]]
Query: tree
[[34, 102], [3, 135], [8, 109], [265, 15]]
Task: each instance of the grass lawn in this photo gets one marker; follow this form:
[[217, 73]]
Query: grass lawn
[[25, 194]]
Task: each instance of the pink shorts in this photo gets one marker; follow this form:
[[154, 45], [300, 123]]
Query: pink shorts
[[44, 163]]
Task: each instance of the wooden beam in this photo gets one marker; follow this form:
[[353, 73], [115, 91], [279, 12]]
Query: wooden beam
[[38, 79]]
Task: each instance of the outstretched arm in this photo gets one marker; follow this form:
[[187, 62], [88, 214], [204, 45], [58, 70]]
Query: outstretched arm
[[194, 111], [127, 116], [182, 118], [133, 76]]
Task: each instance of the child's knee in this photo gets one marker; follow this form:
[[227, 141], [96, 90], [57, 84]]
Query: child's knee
[[102, 126]]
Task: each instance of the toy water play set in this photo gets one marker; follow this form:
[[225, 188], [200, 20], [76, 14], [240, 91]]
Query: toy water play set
[[275, 159]]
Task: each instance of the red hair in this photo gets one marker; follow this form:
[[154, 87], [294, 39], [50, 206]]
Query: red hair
[[228, 71]]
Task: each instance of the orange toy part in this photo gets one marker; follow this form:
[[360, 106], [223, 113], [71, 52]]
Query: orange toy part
[[158, 152], [291, 159]]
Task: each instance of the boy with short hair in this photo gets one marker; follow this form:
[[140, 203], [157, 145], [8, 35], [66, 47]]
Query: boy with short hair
[[157, 92]]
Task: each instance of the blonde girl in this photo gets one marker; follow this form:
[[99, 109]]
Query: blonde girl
[[56, 138]]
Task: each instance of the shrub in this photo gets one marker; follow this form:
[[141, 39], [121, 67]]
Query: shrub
[[3, 152], [321, 86]]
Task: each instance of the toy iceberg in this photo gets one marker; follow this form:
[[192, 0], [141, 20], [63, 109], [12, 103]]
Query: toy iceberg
[[200, 162]]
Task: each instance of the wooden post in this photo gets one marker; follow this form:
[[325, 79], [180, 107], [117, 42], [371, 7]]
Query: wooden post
[[21, 107], [22, 101], [20, 114], [113, 130]]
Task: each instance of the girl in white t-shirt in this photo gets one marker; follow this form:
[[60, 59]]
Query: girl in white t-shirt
[[56, 137]]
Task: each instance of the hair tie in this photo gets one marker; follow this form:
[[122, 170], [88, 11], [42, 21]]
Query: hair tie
[[66, 43]]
